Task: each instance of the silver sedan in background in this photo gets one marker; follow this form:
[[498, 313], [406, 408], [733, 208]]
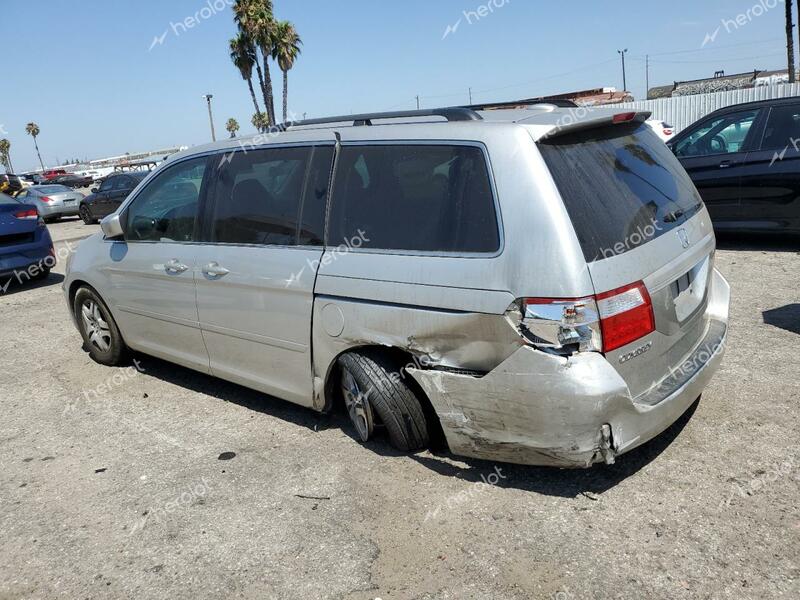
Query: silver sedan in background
[[53, 201]]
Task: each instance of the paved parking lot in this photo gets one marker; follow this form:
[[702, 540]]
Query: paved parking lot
[[163, 483]]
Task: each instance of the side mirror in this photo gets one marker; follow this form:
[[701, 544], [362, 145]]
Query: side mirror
[[94, 190], [112, 227]]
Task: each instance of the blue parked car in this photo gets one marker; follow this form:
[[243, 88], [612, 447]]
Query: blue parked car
[[26, 250]]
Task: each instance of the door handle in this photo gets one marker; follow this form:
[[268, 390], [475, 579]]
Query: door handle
[[725, 164], [215, 270], [175, 266]]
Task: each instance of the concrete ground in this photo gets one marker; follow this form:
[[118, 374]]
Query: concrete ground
[[163, 483]]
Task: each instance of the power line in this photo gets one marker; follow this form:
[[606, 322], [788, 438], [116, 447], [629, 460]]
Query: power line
[[712, 48], [714, 60]]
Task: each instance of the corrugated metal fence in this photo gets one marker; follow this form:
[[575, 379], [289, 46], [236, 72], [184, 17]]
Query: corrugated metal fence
[[682, 111]]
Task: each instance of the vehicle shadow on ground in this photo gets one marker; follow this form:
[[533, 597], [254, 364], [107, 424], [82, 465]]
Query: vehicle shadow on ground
[[233, 393], [786, 317], [752, 241], [542, 480], [14, 285], [562, 483]]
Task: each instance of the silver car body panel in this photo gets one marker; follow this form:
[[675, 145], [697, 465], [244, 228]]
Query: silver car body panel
[[279, 318]]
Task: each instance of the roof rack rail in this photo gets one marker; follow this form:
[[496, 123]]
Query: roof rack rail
[[450, 114]]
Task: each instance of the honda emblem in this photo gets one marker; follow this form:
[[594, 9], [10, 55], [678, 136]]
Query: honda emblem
[[684, 237]]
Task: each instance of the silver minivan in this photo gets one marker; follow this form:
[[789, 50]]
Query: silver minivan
[[538, 285]]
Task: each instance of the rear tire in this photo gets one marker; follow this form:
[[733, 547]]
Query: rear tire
[[86, 215], [394, 401], [101, 336]]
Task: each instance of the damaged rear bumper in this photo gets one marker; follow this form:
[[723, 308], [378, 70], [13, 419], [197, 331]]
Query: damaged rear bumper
[[540, 409]]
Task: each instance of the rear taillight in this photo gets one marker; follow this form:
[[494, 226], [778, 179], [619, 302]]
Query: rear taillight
[[626, 314], [46, 199], [562, 323], [27, 214], [600, 323]]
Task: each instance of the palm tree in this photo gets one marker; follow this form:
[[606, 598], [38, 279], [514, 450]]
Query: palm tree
[[286, 50], [260, 122], [255, 19], [243, 55], [233, 126], [32, 129], [5, 155]]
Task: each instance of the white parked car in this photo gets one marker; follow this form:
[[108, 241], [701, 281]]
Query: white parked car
[[663, 129]]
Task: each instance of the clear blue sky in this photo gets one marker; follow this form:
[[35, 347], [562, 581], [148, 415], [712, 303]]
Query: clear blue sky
[[86, 74]]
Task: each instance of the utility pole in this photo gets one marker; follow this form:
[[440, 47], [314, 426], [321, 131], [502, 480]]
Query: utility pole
[[622, 53], [417, 102], [208, 98], [790, 40], [798, 12], [470, 89], [647, 74]]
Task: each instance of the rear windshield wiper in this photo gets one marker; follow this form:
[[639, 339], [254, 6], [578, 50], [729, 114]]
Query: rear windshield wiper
[[677, 214]]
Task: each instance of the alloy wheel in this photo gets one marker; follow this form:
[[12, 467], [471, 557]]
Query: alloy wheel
[[96, 327], [358, 406]]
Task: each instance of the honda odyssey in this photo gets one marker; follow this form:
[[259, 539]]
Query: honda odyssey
[[538, 284]]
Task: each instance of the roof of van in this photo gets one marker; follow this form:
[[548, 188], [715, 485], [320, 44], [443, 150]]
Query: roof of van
[[541, 120]]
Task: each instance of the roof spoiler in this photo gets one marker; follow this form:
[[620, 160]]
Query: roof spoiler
[[575, 121]]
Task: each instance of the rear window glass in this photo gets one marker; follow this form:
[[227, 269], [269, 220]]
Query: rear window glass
[[425, 198], [53, 189], [621, 186]]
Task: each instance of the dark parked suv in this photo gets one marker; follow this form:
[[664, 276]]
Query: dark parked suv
[[745, 160], [105, 199]]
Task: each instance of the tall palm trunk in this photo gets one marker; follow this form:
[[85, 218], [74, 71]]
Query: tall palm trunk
[[38, 153], [286, 94], [790, 40], [269, 91], [253, 96], [262, 85]]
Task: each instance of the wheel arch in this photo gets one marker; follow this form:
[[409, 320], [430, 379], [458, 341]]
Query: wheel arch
[[401, 357], [72, 292]]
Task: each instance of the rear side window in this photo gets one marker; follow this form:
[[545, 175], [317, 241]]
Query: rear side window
[[427, 198], [311, 230], [783, 127], [122, 183], [621, 186], [258, 198]]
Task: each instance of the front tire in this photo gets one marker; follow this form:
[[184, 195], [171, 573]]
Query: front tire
[[381, 387], [86, 214], [101, 336]]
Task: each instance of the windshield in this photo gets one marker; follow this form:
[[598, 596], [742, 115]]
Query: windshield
[[621, 185]]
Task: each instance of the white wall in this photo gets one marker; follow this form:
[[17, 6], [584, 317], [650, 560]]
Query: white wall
[[682, 111]]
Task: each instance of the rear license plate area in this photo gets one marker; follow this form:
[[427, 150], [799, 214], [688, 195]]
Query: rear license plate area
[[689, 290]]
